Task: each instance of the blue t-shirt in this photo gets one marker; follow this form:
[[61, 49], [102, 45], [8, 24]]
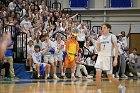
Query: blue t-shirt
[[9, 52]]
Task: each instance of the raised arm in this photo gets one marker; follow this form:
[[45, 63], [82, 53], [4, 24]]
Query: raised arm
[[74, 16], [129, 31]]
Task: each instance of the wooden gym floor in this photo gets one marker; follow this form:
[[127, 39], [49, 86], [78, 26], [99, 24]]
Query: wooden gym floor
[[65, 86]]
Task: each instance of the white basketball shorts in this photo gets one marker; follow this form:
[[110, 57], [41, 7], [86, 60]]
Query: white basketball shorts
[[104, 63]]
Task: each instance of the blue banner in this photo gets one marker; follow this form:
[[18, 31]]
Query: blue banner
[[120, 3], [79, 3]]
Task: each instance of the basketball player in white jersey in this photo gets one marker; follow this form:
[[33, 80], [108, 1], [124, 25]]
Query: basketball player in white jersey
[[104, 45]]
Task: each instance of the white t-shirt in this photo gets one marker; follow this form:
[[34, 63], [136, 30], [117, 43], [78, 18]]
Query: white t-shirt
[[62, 29], [12, 6], [133, 58], [48, 46], [57, 46], [81, 33], [26, 24], [40, 6], [23, 12], [124, 40], [30, 50], [36, 58], [88, 50], [121, 47], [106, 45], [38, 43]]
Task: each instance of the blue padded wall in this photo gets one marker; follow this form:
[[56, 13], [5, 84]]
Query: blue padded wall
[[79, 3], [121, 3]]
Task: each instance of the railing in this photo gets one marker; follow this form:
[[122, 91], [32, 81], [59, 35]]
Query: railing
[[88, 22], [77, 18], [48, 4], [20, 43], [96, 29], [20, 48], [4, 2], [1, 2], [56, 5], [11, 29], [67, 11], [64, 37], [1, 25]]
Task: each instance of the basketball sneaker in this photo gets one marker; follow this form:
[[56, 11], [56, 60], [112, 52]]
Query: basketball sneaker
[[89, 77], [55, 76]]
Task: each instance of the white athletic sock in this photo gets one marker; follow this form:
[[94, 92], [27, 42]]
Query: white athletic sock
[[99, 91], [54, 75], [38, 75], [72, 74], [62, 74], [47, 75], [120, 86]]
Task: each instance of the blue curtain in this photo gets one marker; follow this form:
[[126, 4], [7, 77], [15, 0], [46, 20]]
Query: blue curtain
[[121, 3], [79, 3]]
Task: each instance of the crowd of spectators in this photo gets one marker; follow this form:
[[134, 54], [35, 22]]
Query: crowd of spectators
[[50, 32]]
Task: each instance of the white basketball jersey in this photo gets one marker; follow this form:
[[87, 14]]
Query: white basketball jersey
[[107, 45]]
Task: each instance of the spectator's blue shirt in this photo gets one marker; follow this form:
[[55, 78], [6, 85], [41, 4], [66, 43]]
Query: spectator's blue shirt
[[9, 52]]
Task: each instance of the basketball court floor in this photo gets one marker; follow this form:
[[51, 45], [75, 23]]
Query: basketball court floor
[[65, 86]]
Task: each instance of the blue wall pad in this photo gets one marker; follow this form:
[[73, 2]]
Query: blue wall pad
[[78, 3], [120, 3], [20, 71]]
